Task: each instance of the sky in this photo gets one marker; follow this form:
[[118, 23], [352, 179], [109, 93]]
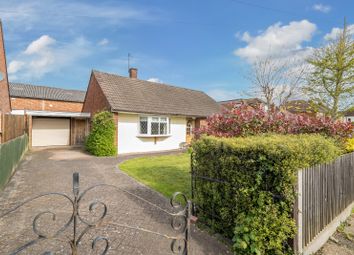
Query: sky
[[207, 45]]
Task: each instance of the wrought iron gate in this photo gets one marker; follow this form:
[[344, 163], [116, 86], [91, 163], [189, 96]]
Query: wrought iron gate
[[78, 226]]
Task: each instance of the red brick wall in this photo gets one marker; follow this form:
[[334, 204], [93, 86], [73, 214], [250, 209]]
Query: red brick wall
[[95, 100], [200, 122], [5, 106], [18, 103]]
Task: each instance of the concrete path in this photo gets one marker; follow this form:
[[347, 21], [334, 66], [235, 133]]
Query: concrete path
[[342, 242], [51, 171]]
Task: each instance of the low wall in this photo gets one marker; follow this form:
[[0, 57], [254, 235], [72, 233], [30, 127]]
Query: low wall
[[11, 153]]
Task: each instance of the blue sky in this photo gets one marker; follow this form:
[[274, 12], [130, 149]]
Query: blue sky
[[205, 45]]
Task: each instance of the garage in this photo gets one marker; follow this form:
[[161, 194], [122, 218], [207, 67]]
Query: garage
[[50, 131]]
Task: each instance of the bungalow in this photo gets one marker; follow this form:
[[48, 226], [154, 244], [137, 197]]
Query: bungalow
[[54, 115], [148, 116], [349, 116]]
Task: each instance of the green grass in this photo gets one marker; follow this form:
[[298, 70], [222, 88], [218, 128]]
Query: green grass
[[166, 174]]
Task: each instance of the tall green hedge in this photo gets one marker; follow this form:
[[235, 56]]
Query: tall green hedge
[[254, 206], [100, 141]]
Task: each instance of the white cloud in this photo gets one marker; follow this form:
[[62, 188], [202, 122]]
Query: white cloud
[[154, 80], [278, 40], [322, 8], [223, 94], [103, 42], [39, 45], [335, 32], [15, 66], [46, 55]]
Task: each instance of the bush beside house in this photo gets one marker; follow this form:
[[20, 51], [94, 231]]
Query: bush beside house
[[100, 141], [258, 196]]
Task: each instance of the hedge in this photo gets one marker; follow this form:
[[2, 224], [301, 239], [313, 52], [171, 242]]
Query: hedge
[[254, 205], [100, 141]]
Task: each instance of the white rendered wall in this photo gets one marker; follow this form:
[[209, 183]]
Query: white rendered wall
[[129, 140]]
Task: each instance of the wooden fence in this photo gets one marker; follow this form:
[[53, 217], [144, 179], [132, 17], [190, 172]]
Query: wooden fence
[[325, 197], [11, 153], [12, 126]]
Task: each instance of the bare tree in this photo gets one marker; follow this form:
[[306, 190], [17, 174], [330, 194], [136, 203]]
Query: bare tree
[[276, 80]]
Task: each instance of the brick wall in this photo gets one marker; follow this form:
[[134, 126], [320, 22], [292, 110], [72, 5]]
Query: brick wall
[[200, 122], [95, 100], [5, 106], [18, 103]]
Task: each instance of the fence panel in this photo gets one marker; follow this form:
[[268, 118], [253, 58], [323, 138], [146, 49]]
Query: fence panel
[[11, 153], [12, 126], [326, 191]]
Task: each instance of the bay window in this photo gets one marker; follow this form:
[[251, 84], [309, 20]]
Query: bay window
[[154, 126]]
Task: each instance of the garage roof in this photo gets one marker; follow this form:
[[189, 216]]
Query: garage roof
[[43, 92]]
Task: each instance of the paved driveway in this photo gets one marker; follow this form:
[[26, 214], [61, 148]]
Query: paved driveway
[[51, 171]]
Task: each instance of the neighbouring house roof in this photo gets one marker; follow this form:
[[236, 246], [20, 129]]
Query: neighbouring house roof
[[303, 106], [133, 95], [43, 92], [349, 113], [248, 101]]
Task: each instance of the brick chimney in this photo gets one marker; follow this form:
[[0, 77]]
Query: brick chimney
[[133, 73], [5, 105]]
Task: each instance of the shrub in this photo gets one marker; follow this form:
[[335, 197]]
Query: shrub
[[255, 204], [244, 120], [100, 141], [349, 146]]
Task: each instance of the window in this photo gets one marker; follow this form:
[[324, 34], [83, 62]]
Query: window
[[143, 125], [189, 128], [154, 125]]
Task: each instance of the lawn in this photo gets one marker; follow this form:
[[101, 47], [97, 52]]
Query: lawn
[[165, 174]]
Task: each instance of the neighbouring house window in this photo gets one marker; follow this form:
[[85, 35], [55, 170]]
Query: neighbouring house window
[[154, 125]]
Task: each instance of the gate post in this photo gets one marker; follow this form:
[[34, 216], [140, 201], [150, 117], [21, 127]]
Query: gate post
[[188, 230], [76, 190]]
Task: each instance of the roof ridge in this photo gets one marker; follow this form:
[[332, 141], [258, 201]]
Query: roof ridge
[[154, 83], [42, 86]]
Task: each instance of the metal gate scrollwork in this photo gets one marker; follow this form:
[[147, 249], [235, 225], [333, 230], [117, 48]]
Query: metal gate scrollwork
[[180, 221]]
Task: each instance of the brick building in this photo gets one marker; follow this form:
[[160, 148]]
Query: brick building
[[5, 106], [55, 115]]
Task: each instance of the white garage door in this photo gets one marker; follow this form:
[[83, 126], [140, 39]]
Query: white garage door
[[50, 131]]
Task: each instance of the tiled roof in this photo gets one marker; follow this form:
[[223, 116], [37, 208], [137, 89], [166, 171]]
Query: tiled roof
[[303, 106], [247, 101], [134, 95], [42, 92], [349, 113]]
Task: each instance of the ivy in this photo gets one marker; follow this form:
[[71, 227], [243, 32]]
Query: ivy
[[100, 141]]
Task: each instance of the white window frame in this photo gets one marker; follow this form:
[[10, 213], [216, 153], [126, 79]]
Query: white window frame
[[149, 121]]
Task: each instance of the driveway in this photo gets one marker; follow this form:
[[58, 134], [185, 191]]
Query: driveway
[[51, 171]]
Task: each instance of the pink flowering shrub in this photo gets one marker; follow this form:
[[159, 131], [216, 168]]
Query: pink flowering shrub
[[244, 121]]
